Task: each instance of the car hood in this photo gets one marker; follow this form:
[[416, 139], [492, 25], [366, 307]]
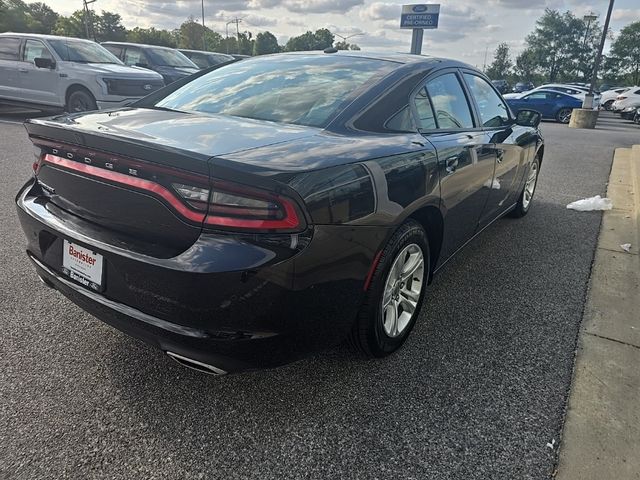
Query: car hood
[[123, 70], [176, 71], [204, 134]]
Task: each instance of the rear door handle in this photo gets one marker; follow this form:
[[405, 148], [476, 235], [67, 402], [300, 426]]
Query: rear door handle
[[451, 163], [500, 154]]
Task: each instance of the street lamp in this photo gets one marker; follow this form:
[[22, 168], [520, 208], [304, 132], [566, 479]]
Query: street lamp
[[589, 17], [344, 39]]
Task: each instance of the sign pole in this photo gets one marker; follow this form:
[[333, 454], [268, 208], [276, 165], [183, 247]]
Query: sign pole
[[416, 41]]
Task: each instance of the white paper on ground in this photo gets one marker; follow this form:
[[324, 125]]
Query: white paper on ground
[[590, 204], [626, 247]]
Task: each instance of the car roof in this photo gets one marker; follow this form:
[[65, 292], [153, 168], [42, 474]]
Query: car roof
[[44, 36], [133, 44]]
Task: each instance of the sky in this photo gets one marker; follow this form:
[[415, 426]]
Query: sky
[[468, 29]]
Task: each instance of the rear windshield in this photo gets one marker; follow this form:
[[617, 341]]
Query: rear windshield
[[82, 52], [302, 90]]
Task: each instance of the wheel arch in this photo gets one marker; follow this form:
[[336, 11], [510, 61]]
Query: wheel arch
[[431, 219], [75, 87]]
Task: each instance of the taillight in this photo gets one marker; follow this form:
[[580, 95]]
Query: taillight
[[39, 155], [231, 205]]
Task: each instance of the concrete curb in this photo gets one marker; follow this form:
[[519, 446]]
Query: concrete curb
[[601, 436]]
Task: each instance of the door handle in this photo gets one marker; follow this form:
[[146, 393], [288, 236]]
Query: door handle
[[23, 70], [451, 163], [500, 154]]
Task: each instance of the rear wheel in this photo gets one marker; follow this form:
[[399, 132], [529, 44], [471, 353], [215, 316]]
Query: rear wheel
[[563, 115], [394, 297], [80, 101], [526, 197]]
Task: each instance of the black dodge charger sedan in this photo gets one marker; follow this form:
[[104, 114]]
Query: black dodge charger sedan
[[246, 216]]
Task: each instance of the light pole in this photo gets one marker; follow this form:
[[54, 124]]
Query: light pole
[[588, 100], [589, 17], [204, 41]]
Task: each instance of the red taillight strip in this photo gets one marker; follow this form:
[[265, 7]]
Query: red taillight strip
[[123, 179], [290, 221]]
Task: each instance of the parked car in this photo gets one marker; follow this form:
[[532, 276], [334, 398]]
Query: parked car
[[636, 118], [522, 87], [630, 98], [610, 96], [49, 72], [629, 113], [501, 85], [245, 217], [551, 104], [168, 62], [576, 91], [206, 59]]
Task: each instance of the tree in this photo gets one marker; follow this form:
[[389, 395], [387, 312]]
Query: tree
[[526, 65], [625, 53], [108, 27], [245, 43], [152, 36], [343, 45], [43, 16], [501, 65], [266, 42], [71, 26], [190, 36], [14, 16], [319, 40], [559, 48]]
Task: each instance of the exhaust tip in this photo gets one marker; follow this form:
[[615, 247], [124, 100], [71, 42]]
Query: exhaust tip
[[196, 365], [46, 282]]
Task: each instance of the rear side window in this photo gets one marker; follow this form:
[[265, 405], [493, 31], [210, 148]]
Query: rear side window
[[9, 48], [35, 49], [134, 56], [449, 102], [426, 118], [492, 109]]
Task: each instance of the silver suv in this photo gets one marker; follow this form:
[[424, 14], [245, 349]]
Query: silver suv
[[46, 71]]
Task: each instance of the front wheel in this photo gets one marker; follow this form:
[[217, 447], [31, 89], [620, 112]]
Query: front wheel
[[80, 101], [393, 300], [563, 115], [526, 197]]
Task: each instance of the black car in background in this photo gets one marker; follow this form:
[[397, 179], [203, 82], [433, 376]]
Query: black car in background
[[522, 87], [168, 62], [258, 212], [501, 85], [206, 59]]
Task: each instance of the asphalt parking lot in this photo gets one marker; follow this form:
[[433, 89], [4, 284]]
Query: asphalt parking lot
[[476, 393]]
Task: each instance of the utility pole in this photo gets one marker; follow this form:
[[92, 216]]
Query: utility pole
[[589, 17], [204, 41], [87, 19], [588, 101], [484, 64]]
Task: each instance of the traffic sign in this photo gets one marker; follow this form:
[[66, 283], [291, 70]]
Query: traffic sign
[[420, 16]]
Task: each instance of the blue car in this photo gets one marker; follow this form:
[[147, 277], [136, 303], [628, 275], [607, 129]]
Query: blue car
[[551, 105]]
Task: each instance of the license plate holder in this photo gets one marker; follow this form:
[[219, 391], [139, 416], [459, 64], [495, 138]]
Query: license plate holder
[[83, 265]]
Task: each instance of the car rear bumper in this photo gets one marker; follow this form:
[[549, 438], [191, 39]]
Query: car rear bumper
[[225, 302]]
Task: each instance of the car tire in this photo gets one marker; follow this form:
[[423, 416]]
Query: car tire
[[607, 104], [528, 190], [80, 100], [400, 279], [563, 115]]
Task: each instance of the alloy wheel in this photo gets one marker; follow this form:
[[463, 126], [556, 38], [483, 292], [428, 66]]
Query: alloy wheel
[[564, 115], [530, 186], [402, 290]]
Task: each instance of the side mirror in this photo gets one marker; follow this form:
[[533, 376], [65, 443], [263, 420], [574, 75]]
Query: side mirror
[[44, 63], [528, 118]]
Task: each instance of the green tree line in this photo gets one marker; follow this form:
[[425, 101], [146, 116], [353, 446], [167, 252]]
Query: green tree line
[[19, 16], [563, 47]]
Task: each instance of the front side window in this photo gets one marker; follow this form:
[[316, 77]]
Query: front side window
[[82, 51], [449, 102], [492, 109], [35, 49], [9, 48], [297, 89]]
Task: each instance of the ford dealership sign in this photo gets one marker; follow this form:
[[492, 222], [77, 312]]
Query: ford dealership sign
[[420, 16]]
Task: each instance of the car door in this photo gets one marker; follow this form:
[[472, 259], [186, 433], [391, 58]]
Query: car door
[[40, 85], [465, 165], [496, 121], [540, 102], [9, 54]]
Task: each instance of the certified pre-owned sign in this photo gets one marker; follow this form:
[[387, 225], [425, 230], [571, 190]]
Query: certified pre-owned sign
[[420, 16]]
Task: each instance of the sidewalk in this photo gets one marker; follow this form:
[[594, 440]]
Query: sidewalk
[[601, 437]]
